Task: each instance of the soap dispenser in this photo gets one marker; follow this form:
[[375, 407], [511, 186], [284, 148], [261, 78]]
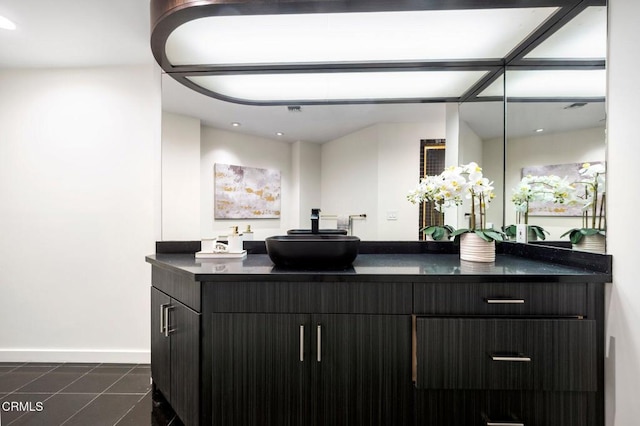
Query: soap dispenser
[[234, 241], [247, 235]]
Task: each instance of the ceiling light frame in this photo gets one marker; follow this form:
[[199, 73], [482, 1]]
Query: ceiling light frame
[[167, 15]]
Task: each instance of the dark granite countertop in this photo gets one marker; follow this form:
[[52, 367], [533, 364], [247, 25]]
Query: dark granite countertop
[[421, 267]]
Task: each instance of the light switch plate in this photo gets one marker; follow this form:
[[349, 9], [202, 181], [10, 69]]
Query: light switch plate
[[521, 233], [392, 215]]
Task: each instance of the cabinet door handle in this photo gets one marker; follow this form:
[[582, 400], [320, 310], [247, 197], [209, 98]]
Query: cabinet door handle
[[301, 342], [163, 321], [510, 358], [319, 341], [489, 422], [509, 301], [167, 330]]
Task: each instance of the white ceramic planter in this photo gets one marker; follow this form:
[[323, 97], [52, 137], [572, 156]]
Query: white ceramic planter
[[475, 249], [592, 244]]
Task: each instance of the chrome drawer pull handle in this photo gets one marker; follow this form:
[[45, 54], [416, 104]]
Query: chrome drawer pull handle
[[319, 343], [163, 323], [167, 320], [489, 422], [301, 343], [510, 358], [504, 301]]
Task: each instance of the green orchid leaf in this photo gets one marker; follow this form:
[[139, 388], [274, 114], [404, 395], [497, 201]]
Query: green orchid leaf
[[438, 233], [429, 230], [539, 232], [510, 231], [460, 232], [482, 235], [575, 237], [569, 232], [496, 236]]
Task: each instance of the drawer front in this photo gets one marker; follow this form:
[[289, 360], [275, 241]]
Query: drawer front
[[309, 297], [494, 299], [177, 286], [542, 354], [480, 408], [256, 297]]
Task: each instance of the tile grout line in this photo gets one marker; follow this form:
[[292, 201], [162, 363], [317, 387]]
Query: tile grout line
[[15, 367], [56, 393], [61, 391], [14, 392], [97, 396], [130, 409]]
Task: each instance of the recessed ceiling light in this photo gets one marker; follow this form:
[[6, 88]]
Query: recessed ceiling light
[[539, 130], [279, 134], [235, 124], [6, 24]]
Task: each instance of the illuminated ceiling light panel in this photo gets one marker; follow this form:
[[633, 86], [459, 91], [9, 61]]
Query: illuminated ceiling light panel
[[6, 24], [557, 84], [584, 37], [353, 37], [340, 86]]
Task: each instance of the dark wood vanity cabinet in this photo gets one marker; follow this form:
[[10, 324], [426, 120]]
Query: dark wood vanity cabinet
[[343, 350], [517, 354]]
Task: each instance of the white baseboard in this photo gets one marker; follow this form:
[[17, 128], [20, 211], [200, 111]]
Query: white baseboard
[[82, 356]]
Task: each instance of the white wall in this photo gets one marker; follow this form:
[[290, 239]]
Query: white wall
[[79, 179], [220, 146], [306, 170], [492, 167], [371, 171], [623, 314], [180, 177], [350, 180], [559, 148]]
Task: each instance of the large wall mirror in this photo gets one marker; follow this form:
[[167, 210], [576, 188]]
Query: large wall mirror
[[361, 158]]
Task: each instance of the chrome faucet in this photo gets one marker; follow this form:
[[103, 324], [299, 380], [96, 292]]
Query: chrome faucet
[[315, 221]]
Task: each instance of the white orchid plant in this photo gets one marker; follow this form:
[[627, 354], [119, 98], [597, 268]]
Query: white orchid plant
[[443, 191], [593, 200], [451, 187], [531, 188]]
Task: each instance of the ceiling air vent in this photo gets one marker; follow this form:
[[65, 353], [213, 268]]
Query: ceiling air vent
[[576, 105]]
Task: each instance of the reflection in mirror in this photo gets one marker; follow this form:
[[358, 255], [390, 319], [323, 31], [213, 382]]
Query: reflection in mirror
[[354, 159], [552, 138], [484, 122], [345, 159]]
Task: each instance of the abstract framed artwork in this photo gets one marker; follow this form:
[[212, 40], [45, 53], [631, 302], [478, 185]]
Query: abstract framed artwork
[[246, 192], [571, 172]]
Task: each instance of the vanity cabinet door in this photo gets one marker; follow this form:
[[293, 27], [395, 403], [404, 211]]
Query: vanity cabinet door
[[362, 370], [175, 354], [260, 369], [184, 332], [160, 344], [311, 370]]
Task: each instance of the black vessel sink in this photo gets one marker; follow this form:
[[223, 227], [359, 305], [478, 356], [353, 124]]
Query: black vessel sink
[[320, 232], [313, 250]]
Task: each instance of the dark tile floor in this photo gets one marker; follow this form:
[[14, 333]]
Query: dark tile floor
[[39, 394]]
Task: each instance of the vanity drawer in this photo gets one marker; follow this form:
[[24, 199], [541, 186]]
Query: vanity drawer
[[495, 299], [541, 354], [526, 408]]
